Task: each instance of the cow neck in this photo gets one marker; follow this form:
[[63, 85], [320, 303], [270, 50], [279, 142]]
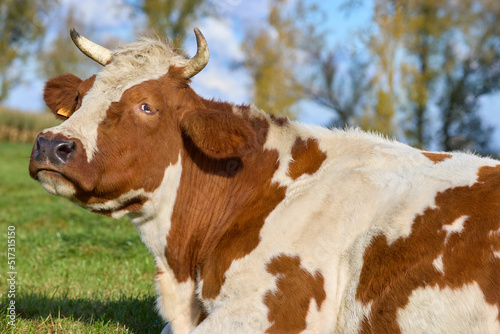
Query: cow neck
[[220, 207]]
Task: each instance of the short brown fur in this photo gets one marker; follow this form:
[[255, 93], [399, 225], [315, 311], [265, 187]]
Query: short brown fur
[[436, 157], [307, 158], [295, 289]]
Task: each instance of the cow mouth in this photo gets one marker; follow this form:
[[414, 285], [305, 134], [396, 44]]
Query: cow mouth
[[55, 183]]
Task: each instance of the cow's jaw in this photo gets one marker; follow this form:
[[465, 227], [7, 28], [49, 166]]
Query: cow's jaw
[[55, 183]]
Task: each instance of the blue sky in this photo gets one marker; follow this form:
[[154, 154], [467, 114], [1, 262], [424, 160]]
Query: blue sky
[[224, 35]]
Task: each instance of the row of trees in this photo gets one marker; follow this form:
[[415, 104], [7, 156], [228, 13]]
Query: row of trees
[[418, 70]]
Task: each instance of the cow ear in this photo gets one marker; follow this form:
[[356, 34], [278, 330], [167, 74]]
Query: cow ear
[[60, 95], [219, 134]]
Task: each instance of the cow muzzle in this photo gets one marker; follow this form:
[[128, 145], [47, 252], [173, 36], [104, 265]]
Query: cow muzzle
[[48, 158]]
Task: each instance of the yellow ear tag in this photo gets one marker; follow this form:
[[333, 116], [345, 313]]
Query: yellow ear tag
[[64, 112]]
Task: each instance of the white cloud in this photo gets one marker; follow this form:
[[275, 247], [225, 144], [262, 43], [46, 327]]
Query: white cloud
[[222, 83]]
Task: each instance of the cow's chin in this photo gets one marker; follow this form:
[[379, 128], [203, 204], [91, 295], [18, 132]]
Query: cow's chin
[[56, 184]]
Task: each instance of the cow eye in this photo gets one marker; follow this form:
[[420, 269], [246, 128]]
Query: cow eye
[[147, 109]]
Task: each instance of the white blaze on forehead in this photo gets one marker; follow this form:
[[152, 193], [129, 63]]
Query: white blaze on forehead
[[132, 64]]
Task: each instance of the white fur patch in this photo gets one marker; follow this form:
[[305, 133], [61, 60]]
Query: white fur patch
[[177, 302], [494, 234], [456, 227], [438, 264], [153, 222], [114, 204], [433, 310], [167, 329], [314, 320]]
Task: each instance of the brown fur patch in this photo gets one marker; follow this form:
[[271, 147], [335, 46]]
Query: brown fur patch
[[279, 121], [392, 272], [295, 289], [307, 158], [436, 157]]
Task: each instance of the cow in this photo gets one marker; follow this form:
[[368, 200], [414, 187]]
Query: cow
[[260, 224]]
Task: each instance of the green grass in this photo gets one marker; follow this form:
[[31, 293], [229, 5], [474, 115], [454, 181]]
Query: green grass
[[77, 272]]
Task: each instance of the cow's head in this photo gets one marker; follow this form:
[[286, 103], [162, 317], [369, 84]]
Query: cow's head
[[126, 125]]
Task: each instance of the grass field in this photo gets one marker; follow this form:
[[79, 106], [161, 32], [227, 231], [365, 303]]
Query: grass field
[[77, 272]]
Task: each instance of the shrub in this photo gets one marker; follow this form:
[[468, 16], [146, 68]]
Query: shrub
[[18, 126]]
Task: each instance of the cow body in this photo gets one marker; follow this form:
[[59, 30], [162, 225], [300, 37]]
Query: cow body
[[263, 225]]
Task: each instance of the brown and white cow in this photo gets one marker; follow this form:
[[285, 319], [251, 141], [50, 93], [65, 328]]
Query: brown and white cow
[[263, 225]]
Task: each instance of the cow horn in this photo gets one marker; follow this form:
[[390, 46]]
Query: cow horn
[[200, 59], [94, 51]]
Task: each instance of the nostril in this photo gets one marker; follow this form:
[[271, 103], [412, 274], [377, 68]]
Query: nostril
[[64, 150], [36, 154], [41, 148]]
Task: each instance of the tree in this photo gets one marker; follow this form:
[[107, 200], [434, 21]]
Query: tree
[[273, 55], [171, 17], [469, 76], [450, 78], [440, 55], [21, 30], [384, 46], [426, 25], [62, 56], [340, 87]]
